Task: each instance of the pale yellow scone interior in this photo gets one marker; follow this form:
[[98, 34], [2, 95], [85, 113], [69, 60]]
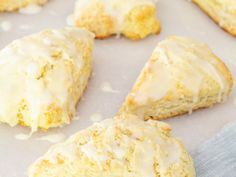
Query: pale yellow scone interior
[[11, 5], [222, 12], [182, 75], [119, 147], [134, 19], [42, 77]]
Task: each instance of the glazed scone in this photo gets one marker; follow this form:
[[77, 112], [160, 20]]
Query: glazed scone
[[182, 75], [42, 77], [117, 147], [223, 12], [11, 5], [134, 19]]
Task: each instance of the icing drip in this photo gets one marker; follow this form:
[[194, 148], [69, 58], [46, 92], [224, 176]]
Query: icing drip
[[31, 10]]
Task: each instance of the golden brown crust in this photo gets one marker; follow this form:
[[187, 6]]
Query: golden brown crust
[[98, 22], [224, 24], [139, 22], [117, 147], [182, 112]]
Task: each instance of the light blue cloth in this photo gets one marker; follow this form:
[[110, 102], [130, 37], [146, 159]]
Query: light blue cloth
[[217, 157]]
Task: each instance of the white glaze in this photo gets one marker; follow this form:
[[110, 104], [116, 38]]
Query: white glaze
[[89, 150], [106, 87], [151, 88], [96, 117], [53, 138], [22, 136], [31, 9], [25, 27], [67, 150], [70, 21], [5, 26], [76, 118]]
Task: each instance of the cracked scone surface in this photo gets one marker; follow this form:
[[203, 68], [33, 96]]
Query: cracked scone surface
[[223, 12], [11, 5], [118, 148], [42, 77], [134, 19], [182, 75]]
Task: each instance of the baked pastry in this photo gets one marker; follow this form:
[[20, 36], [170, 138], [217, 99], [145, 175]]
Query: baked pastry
[[11, 5], [42, 77], [223, 12], [182, 75], [117, 147], [134, 19]]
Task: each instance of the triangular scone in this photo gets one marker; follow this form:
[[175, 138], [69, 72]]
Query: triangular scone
[[223, 12], [134, 19], [117, 147], [42, 77], [11, 5], [182, 75]]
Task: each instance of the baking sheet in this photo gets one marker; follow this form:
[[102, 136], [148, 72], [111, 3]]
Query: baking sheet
[[119, 61]]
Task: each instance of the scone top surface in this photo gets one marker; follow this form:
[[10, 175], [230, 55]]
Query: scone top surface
[[11, 5], [228, 5], [182, 75], [222, 12], [117, 148], [42, 77], [133, 18]]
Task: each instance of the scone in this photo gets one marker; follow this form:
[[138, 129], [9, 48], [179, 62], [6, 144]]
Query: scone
[[117, 147], [134, 19], [11, 5], [182, 75], [222, 12], [43, 76]]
